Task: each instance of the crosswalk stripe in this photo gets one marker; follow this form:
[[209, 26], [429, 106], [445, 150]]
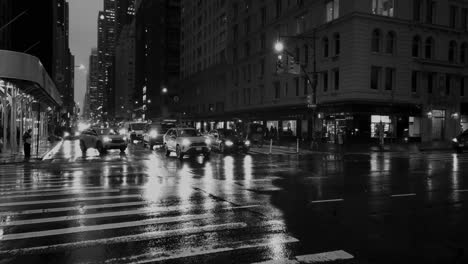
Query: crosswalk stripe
[[325, 257], [146, 211], [213, 249], [79, 229], [39, 181], [51, 190], [80, 199], [127, 238], [30, 187], [81, 192]]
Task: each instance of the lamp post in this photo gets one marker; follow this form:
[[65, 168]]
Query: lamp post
[[280, 48]]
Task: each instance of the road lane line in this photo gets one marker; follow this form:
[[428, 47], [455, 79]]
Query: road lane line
[[80, 199], [127, 238], [213, 249], [51, 190], [327, 201], [146, 211], [51, 182], [325, 257], [23, 188], [79, 229], [61, 193], [404, 195], [463, 190]]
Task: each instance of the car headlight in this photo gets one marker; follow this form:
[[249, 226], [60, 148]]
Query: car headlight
[[186, 142], [124, 138], [229, 143], [107, 139], [247, 143], [208, 141], [153, 133], [77, 134], [455, 140], [66, 134], [122, 131]]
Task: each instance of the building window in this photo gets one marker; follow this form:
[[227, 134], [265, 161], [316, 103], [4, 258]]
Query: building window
[[452, 51], [453, 16], [277, 86], [300, 24], [325, 46], [296, 84], [336, 79], [376, 37], [463, 53], [429, 48], [279, 7], [448, 83], [430, 11], [263, 15], [336, 40], [390, 42], [332, 10], [262, 68], [247, 49], [306, 54], [416, 46], [325, 81], [464, 18], [414, 81], [306, 85], [375, 77], [389, 78], [416, 10], [262, 41], [430, 82], [382, 7]]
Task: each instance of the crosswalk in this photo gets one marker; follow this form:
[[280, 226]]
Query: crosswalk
[[48, 216]]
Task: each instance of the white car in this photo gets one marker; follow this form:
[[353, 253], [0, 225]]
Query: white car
[[102, 139], [186, 141]]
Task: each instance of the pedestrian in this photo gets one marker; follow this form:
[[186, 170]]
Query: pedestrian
[[27, 143], [381, 133]]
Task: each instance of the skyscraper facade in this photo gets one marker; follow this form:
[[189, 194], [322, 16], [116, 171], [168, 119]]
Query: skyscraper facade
[[95, 95]]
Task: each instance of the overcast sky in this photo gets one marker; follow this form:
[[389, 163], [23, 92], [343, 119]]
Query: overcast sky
[[83, 37]]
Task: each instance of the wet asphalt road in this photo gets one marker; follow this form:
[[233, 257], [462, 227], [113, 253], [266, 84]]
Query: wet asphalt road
[[142, 207]]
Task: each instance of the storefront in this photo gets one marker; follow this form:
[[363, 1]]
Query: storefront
[[28, 99]]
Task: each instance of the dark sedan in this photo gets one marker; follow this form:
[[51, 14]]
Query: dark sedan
[[228, 140], [460, 142]]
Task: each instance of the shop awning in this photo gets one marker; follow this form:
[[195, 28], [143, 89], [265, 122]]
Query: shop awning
[[28, 74]]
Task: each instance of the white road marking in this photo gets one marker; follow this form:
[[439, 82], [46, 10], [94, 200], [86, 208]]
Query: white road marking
[[127, 239], [80, 199], [146, 211], [213, 249], [81, 192], [404, 195], [79, 229], [327, 201], [464, 190], [51, 190], [325, 257], [38, 181], [278, 261]]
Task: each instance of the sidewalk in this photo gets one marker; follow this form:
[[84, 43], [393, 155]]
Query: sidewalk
[[306, 148], [44, 147]]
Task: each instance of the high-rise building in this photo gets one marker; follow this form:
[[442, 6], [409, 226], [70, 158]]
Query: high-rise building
[[95, 95], [157, 56], [203, 61]]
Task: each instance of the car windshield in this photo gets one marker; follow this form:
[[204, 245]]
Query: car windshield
[[106, 131], [188, 133], [229, 133], [139, 126]]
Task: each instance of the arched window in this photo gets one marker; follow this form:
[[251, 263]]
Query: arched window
[[463, 53], [376, 38], [452, 51], [416, 46], [325, 45], [336, 40], [306, 54], [391, 40], [429, 48]]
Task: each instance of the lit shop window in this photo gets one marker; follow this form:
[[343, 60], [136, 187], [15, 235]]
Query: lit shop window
[[289, 127], [382, 7], [388, 126], [332, 10]]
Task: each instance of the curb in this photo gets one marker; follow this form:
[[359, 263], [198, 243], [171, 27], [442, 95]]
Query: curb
[[33, 160]]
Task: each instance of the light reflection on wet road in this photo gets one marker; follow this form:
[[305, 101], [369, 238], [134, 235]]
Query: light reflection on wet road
[[141, 206]]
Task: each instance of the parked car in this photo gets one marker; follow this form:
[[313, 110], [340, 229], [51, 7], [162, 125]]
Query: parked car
[[460, 142], [102, 139], [154, 133], [186, 141], [228, 140]]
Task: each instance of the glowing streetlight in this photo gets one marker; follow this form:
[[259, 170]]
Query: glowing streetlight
[[279, 46], [164, 90]]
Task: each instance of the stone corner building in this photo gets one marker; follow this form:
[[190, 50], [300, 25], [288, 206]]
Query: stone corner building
[[400, 62]]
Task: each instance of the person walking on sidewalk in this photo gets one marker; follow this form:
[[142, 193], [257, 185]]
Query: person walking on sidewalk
[[27, 143], [381, 134]]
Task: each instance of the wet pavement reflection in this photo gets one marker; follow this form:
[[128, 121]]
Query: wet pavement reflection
[[142, 207]]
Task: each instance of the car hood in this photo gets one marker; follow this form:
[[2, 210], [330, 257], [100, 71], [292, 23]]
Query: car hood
[[194, 139], [112, 136], [234, 138]]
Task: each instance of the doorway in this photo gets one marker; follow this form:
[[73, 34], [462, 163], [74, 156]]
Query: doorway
[[438, 124]]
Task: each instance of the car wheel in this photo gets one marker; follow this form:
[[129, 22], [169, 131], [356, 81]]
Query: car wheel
[[100, 148], [83, 146], [168, 152], [179, 153]]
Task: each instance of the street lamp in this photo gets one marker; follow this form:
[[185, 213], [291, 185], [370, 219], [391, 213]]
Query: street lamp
[[279, 46], [164, 90]]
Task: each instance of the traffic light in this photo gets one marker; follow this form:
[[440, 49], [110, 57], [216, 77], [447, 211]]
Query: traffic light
[[279, 64]]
